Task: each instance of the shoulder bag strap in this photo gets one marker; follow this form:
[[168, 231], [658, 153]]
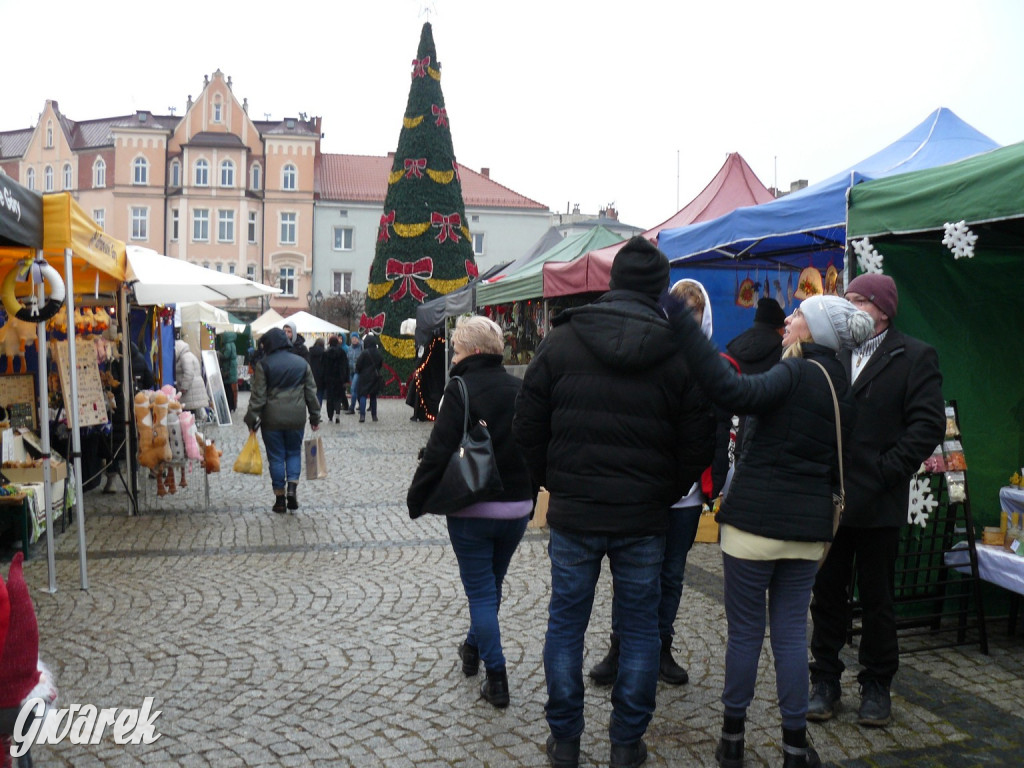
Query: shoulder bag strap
[[839, 434], [465, 400]]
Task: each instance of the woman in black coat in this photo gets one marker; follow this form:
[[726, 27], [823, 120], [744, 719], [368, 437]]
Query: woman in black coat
[[778, 512], [484, 535], [368, 366], [316, 363], [335, 377]]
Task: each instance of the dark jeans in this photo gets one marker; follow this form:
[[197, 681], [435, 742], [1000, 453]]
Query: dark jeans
[[336, 406], [484, 548], [788, 587], [355, 392], [373, 405], [575, 568], [872, 551], [284, 455]]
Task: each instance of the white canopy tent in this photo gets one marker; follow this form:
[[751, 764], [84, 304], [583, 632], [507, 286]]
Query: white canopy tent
[[159, 279], [200, 311], [268, 319], [306, 324]]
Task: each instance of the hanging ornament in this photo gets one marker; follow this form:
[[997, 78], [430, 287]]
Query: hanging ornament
[[960, 240], [868, 259], [921, 501]]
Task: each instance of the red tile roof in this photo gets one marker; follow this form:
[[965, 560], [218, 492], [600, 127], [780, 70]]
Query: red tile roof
[[361, 178]]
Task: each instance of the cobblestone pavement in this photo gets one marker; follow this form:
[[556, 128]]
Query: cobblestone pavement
[[328, 637]]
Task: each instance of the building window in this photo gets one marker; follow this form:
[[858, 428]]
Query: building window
[[231, 269], [200, 225], [49, 134], [140, 223], [99, 215], [250, 271], [174, 224], [252, 227], [341, 282], [256, 176], [225, 226], [30, 179], [202, 173], [343, 238], [478, 243], [67, 175], [216, 111], [288, 229], [343, 213], [48, 179], [288, 177], [140, 171], [474, 219], [227, 174], [287, 281], [220, 267], [175, 174], [99, 173]]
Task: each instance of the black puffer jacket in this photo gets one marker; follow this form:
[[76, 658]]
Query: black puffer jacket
[[609, 419], [368, 367], [283, 389], [789, 468], [492, 397], [756, 349]]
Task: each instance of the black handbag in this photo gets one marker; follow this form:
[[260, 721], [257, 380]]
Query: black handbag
[[472, 472]]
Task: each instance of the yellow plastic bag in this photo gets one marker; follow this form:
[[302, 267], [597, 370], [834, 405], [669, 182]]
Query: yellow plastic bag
[[249, 461]]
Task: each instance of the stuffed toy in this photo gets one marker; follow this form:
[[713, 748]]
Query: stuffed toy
[[22, 675], [161, 439], [14, 337], [83, 324], [177, 441], [188, 433], [100, 319], [212, 457], [144, 426]]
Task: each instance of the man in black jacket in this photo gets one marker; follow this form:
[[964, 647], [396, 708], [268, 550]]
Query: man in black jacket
[[900, 419], [613, 426]]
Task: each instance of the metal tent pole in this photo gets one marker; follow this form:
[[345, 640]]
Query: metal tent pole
[[71, 408], [44, 434]]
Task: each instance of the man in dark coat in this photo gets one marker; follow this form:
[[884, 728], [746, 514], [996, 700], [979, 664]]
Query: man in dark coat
[[613, 426], [296, 340], [897, 386]]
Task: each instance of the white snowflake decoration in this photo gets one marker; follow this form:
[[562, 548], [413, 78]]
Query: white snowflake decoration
[[868, 259], [960, 240], [921, 502]]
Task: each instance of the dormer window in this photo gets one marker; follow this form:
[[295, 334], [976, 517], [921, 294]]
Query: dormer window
[[216, 111], [256, 180], [49, 134]]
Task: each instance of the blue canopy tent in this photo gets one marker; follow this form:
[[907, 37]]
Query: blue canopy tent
[[773, 240]]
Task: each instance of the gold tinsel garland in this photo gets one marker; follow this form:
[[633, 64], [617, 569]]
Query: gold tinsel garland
[[403, 349], [377, 291], [441, 177], [412, 122]]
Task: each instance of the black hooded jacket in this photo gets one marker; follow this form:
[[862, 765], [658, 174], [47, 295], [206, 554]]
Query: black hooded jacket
[[756, 349], [609, 419]]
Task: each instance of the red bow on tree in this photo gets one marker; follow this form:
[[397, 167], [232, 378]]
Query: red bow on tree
[[448, 224], [385, 222], [419, 66], [414, 168], [471, 269], [375, 323], [408, 273], [440, 113]]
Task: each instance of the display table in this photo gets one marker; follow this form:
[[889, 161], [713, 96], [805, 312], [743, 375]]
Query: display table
[[1011, 499], [996, 566]]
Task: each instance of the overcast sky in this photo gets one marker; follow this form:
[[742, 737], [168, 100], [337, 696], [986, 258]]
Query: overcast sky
[[632, 102]]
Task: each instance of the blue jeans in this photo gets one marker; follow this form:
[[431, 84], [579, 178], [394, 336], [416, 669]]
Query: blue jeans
[[355, 390], [284, 455], [373, 405], [484, 548], [788, 586], [575, 568]]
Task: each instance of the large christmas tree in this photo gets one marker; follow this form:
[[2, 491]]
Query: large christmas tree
[[424, 248]]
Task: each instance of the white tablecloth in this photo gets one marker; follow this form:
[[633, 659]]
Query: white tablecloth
[[1011, 499], [995, 565]]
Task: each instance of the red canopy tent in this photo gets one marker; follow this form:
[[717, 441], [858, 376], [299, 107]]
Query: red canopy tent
[[734, 186]]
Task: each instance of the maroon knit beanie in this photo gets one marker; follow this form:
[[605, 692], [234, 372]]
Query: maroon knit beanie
[[880, 290], [19, 662]]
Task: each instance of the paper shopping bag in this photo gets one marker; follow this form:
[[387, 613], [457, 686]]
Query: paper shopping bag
[[316, 462], [250, 462]]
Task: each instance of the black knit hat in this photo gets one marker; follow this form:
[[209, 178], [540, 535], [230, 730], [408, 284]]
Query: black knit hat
[[770, 313], [640, 266]]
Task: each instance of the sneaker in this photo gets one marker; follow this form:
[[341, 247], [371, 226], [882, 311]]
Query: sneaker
[[563, 754], [628, 755], [875, 704], [825, 695]]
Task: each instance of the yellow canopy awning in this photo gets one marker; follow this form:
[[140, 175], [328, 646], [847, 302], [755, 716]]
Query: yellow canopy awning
[[95, 254]]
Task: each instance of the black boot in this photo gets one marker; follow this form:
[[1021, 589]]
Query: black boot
[[796, 753], [729, 753], [607, 669], [470, 656], [495, 688], [279, 506], [293, 499], [668, 670]]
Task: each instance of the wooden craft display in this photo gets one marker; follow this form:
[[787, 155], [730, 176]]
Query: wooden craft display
[[92, 408], [18, 396]]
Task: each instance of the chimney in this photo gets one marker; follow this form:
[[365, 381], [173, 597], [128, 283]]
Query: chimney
[[485, 172], [798, 184], [611, 213]]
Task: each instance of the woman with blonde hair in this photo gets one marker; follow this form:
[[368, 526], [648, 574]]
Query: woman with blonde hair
[[484, 535]]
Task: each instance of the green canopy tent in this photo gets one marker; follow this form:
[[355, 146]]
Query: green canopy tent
[[969, 307]]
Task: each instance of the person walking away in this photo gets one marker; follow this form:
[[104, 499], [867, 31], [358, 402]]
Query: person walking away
[[898, 389], [335, 378], [683, 520], [283, 391], [354, 350], [188, 379], [778, 512], [296, 339], [227, 357], [486, 534], [368, 370], [316, 363], [612, 425]]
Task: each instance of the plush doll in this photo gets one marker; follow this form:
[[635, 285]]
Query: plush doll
[[174, 434], [212, 457], [144, 426], [188, 433], [100, 320]]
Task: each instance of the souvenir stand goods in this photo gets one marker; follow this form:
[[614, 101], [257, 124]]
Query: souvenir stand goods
[[937, 584]]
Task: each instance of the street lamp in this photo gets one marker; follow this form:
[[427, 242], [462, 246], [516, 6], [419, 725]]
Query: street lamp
[[315, 302]]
